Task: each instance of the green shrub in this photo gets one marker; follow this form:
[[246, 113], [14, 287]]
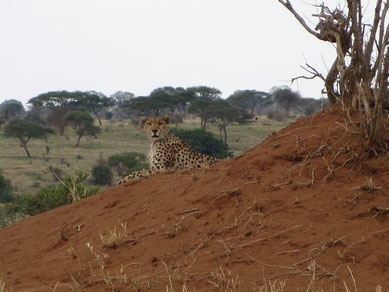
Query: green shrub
[[127, 162], [108, 115], [102, 175], [6, 218], [72, 188], [56, 172], [5, 190], [44, 200], [203, 142]]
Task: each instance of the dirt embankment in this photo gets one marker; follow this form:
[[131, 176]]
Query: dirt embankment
[[303, 207]]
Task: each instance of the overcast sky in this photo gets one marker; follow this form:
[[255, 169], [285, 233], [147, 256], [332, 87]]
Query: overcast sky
[[139, 45]]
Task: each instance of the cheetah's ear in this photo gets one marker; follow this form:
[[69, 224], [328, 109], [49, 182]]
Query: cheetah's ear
[[143, 120], [166, 119]]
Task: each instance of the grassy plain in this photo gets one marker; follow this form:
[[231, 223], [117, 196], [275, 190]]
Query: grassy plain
[[29, 175]]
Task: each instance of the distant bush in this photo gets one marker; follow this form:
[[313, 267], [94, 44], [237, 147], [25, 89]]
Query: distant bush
[[72, 188], [203, 142], [127, 162], [108, 115], [277, 115], [5, 190], [102, 175]]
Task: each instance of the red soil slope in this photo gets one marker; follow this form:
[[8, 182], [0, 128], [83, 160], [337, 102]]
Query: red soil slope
[[303, 206]]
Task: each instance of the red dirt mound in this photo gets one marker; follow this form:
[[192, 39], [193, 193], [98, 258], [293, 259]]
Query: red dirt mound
[[304, 208]]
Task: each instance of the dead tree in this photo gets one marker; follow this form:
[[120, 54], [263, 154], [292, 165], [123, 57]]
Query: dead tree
[[358, 77]]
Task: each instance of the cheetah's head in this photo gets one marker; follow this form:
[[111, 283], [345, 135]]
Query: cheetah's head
[[155, 127]]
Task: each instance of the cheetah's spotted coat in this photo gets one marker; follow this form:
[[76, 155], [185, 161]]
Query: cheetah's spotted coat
[[168, 152]]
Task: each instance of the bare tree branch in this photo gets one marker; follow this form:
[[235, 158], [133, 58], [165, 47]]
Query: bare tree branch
[[314, 73], [289, 6], [358, 77]]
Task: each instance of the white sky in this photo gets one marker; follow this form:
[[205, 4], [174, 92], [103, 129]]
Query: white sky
[[139, 45]]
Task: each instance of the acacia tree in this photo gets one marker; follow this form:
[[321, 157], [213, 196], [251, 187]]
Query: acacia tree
[[203, 96], [286, 98], [248, 100], [358, 77], [221, 114], [11, 108], [205, 92], [82, 123], [25, 130], [199, 107], [148, 105], [95, 102], [59, 102]]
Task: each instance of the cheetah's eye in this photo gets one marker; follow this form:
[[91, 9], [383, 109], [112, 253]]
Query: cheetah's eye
[[160, 123]]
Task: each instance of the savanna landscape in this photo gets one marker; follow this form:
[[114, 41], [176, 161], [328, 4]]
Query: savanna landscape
[[28, 175], [297, 202]]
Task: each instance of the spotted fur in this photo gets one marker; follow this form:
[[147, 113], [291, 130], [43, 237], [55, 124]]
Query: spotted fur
[[168, 152]]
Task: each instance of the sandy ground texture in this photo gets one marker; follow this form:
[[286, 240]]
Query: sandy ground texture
[[305, 209]]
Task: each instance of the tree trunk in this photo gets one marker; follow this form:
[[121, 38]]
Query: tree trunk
[[98, 118], [24, 146], [78, 141], [203, 123], [225, 134], [252, 109]]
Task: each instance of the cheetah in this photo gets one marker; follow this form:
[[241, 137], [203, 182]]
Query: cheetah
[[168, 152]]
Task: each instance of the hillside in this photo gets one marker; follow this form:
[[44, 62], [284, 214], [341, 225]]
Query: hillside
[[303, 207]]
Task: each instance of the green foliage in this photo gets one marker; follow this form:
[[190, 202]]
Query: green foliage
[[203, 142], [11, 108], [311, 105], [5, 190], [102, 175], [147, 106], [205, 92], [199, 107], [44, 200], [276, 115], [6, 217], [108, 115], [122, 97], [52, 196], [25, 130], [286, 98], [221, 114], [127, 162], [95, 102], [56, 99], [82, 123], [59, 103], [56, 172], [76, 119], [249, 100], [161, 100], [87, 130]]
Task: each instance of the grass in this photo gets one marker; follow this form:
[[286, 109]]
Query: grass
[[29, 175]]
